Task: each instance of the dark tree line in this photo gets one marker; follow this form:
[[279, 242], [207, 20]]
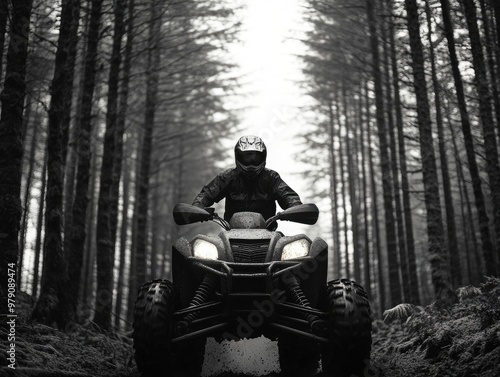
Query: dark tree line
[[112, 112], [390, 80], [11, 135], [107, 109]]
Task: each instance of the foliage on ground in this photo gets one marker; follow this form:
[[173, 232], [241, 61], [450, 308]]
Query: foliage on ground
[[461, 341], [41, 350]]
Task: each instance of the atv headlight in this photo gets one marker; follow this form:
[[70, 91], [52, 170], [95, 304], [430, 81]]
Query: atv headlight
[[296, 249], [205, 250]]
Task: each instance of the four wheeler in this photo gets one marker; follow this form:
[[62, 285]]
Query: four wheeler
[[248, 281]]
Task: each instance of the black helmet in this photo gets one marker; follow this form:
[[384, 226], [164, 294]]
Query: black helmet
[[250, 154]]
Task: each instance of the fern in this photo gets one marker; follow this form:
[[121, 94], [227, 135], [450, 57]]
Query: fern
[[401, 312], [468, 292], [492, 284]]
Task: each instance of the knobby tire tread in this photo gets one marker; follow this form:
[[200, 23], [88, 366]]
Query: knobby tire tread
[[152, 327], [348, 352]]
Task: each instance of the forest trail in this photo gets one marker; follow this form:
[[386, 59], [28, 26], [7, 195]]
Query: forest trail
[[463, 341]]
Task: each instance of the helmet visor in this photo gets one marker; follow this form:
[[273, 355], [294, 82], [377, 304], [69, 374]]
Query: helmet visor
[[251, 158]]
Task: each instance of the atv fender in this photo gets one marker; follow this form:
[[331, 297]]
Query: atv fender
[[183, 246]]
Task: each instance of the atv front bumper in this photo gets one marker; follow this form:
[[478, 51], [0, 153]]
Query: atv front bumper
[[245, 300]]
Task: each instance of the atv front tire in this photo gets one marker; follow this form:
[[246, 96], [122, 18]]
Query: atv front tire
[[152, 327], [348, 352]]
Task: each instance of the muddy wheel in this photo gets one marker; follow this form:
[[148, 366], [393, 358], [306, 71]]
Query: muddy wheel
[[348, 352], [152, 328], [297, 356]]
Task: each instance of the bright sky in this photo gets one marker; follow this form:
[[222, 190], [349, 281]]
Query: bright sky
[[270, 70]]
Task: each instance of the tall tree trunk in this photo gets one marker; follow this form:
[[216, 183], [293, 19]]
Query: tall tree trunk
[[133, 282], [104, 236], [390, 226], [469, 142], [405, 185], [73, 7], [11, 147], [4, 16], [81, 198], [351, 186], [496, 10], [27, 198], [451, 228], [467, 254], [71, 159], [470, 235], [27, 110], [374, 205], [123, 245], [490, 48], [343, 192], [469, 229], [153, 61], [39, 227], [485, 110], [89, 258], [156, 225], [400, 231], [122, 114], [127, 67], [334, 195], [366, 237], [52, 303], [117, 166], [436, 245]]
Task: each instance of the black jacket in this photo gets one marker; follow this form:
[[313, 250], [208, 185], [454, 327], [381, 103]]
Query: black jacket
[[258, 195]]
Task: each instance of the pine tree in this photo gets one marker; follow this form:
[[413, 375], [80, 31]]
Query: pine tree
[[451, 230], [436, 245], [11, 147], [52, 302], [104, 229], [485, 110], [4, 16], [468, 138], [395, 285]]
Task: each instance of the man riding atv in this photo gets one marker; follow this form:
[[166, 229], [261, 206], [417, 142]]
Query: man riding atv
[[249, 186], [251, 280]]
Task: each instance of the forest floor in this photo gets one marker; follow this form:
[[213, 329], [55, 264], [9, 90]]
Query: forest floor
[[463, 341]]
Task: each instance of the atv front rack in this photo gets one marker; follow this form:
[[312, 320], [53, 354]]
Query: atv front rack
[[268, 291]]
